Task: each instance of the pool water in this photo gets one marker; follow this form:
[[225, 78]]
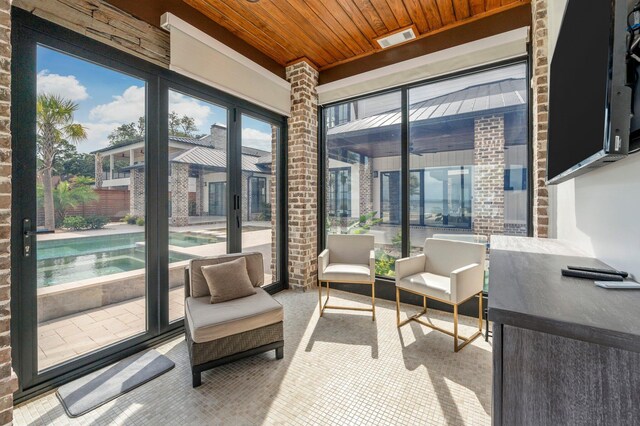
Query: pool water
[[74, 259]]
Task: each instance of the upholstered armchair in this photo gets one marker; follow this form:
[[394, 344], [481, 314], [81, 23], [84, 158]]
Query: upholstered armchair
[[347, 259], [219, 333], [450, 272]]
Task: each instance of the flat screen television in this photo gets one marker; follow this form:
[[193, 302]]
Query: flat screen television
[[589, 102]]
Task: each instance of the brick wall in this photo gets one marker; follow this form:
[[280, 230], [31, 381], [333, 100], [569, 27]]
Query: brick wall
[[303, 175], [8, 379], [366, 186], [100, 21], [136, 193], [488, 187], [179, 187], [273, 192], [540, 117]]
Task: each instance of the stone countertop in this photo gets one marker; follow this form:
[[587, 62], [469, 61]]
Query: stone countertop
[[527, 289]]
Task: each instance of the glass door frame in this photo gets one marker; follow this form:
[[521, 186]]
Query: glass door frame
[[29, 31]]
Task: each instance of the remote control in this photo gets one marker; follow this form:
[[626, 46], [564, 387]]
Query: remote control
[[623, 274], [591, 275]]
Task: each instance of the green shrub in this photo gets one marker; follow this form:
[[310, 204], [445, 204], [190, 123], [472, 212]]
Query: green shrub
[[130, 219], [140, 221], [74, 223], [386, 265], [96, 222]]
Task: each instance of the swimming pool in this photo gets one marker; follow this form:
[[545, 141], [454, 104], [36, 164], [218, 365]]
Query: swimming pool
[[75, 259]]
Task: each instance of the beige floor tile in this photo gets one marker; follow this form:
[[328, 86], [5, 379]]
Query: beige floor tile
[[341, 369]]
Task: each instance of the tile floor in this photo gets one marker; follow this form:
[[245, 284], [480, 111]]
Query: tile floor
[[339, 369]]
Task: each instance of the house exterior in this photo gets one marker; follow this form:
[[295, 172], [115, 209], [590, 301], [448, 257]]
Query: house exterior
[[197, 177], [468, 161]]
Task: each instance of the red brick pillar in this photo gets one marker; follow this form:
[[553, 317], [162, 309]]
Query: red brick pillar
[[303, 175], [8, 379], [540, 67]]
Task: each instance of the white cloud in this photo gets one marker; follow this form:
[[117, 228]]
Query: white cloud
[[125, 108], [66, 86], [97, 136], [185, 105], [256, 139]]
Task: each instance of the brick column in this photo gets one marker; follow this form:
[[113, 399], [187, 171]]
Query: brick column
[[136, 192], [488, 185], [179, 194], [273, 191], [540, 118], [8, 379], [303, 175], [98, 170], [365, 186], [199, 192]]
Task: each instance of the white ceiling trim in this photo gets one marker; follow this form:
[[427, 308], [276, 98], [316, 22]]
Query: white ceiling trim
[[330, 92]]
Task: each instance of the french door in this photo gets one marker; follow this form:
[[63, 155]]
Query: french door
[[123, 172]]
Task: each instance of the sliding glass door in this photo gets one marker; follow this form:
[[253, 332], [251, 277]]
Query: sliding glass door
[[122, 173]]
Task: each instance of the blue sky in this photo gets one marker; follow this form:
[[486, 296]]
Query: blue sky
[[108, 98]]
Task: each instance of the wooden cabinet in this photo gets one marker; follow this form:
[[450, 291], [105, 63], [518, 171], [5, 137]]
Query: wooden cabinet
[[565, 352]]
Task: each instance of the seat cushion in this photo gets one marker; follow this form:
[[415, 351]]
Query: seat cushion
[[430, 285], [228, 280], [207, 322], [344, 272]]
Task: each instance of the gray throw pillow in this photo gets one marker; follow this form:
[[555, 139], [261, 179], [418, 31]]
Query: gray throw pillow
[[228, 280]]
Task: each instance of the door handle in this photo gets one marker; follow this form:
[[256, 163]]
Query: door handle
[[28, 234]]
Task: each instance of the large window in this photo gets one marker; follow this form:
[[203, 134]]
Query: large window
[[339, 192], [466, 149], [363, 184]]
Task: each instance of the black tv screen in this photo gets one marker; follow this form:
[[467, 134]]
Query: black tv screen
[[582, 80]]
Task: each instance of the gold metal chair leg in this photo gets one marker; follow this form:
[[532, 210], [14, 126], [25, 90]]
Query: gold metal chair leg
[[398, 307], [480, 312], [373, 300], [320, 296], [424, 303], [455, 328]]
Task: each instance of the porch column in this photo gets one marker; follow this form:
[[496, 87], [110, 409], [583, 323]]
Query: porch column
[[540, 105], [136, 192], [98, 170], [199, 192], [179, 194], [111, 166], [365, 183], [488, 185], [273, 201], [303, 175]]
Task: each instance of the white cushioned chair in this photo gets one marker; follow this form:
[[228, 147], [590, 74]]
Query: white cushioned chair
[[448, 271], [347, 259]]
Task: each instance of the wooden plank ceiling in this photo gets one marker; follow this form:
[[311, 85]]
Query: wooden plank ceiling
[[333, 32]]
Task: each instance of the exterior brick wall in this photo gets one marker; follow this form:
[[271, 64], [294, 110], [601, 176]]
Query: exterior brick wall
[[366, 187], [179, 187], [540, 117], [136, 193], [101, 21], [273, 200], [489, 163], [98, 170], [303, 176], [8, 379]]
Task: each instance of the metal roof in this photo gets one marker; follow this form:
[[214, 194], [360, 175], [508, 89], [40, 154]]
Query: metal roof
[[216, 159], [469, 101]]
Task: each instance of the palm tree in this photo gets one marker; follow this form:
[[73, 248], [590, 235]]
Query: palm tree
[[54, 125]]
